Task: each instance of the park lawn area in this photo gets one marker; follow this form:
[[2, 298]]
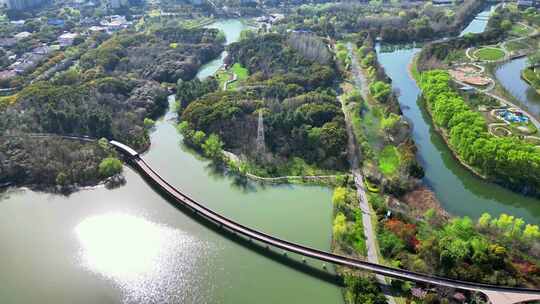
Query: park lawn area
[[240, 71], [389, 160], [516, 46], [519, 30], [489, 54]]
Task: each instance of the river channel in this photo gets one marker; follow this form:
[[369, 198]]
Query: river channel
[[460, 192], [129, 245]]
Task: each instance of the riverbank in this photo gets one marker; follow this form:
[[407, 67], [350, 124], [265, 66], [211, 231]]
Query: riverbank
[[525, 76]]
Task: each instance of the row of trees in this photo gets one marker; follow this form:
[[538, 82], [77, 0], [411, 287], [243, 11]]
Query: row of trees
[[507, 160]]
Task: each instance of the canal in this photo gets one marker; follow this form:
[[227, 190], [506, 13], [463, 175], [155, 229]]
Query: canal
[[129, 245], [459, 191]]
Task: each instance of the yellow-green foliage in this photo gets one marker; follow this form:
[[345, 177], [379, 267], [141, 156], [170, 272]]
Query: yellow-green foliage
[[339, 196], [510, 227], [389, 160], [340, 226]]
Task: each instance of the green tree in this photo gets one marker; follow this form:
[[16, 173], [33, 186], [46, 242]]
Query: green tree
[[506, 25], [484, 220], [149, 123], [363, 291], [339, 196], [110, 166], [339, 227], [531, 232], [380, 90], [198, 138], [213, 147], [61, 179]]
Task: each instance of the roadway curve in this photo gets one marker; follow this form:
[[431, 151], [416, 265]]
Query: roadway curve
[[496, 294]]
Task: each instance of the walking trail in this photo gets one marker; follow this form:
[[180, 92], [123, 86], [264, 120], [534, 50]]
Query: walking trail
[[353, 153]]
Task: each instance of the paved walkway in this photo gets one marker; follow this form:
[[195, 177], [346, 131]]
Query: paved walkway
[[353, 154], [534, 121]]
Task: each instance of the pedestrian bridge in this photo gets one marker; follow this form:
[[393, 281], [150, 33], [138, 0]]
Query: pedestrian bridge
[[496, 294]]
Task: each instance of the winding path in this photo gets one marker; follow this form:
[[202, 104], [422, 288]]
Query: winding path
[[496, 294]]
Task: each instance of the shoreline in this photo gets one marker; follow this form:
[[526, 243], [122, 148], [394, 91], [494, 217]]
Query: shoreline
[[528, 81]]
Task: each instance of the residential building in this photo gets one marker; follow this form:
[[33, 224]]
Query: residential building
[[22, 35], [66, 39]]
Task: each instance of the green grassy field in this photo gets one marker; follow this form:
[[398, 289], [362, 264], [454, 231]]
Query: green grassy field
[[240, 71], [519, 30], [389, 160], [516, 46], [489, 53]]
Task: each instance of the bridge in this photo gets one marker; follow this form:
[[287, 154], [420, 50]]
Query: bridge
[[495, 294]]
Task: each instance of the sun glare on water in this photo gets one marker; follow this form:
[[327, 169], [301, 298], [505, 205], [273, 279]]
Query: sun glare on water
[[148, 260]]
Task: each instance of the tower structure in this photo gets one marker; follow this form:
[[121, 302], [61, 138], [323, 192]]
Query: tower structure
[[260, 135]]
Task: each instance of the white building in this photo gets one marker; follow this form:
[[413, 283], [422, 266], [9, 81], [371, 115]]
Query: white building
[[66, 39], [22, 35]]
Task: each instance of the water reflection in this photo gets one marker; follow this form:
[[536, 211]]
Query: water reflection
[[144, 258]]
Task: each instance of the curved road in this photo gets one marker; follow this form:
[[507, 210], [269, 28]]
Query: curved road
[[496, 294]]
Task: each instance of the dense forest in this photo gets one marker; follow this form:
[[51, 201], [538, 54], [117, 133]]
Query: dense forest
[[500, 250], [165, 54], [114, 92], [292, 86], [507, 160], [392, 23]]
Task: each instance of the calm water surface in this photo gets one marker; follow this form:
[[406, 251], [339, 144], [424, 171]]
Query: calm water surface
[[509, 75], [129, 245], [479, 23], [232, 28]]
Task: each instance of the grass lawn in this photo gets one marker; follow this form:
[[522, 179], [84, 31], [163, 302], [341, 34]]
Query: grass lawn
[[222, 76], [389, 160], [240, 71], [519, 30], [516, 46], [489, 54]]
